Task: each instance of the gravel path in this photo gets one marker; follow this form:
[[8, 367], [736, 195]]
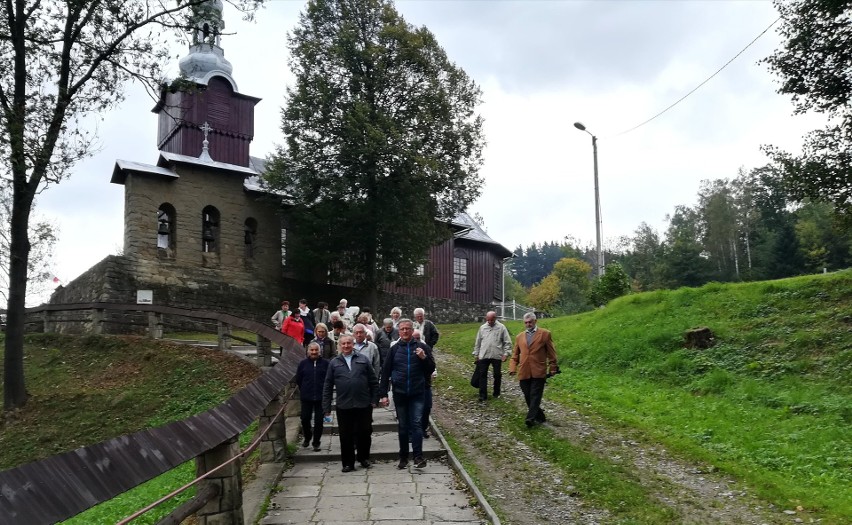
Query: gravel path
[[525, 489]]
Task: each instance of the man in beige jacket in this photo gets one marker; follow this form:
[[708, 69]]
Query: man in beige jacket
[[493, 345], [534, 360]]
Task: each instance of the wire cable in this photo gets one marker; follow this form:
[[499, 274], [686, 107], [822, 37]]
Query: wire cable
[[681, 99]]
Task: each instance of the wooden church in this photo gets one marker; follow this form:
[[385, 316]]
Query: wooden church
[[201, 231]]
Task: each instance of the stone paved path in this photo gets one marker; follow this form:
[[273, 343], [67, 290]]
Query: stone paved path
[[316, 491]]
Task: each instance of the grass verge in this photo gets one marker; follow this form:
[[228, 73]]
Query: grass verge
[[769, 403], [88, 389]]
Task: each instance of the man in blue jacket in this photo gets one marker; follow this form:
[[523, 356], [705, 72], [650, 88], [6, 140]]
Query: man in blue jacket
[[352, 376], [408, 365], [310, 376]]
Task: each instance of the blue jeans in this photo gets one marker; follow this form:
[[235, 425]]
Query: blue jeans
[[409, 413]]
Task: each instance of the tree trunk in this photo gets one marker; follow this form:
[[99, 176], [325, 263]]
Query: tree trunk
[[14, 386], [748, 249], [736, 257]]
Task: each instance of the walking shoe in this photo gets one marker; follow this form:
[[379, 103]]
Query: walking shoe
[[419, 463], [317, 448], [403, 464], [426, 434], [365, 464], [347, 468], [305, 443], [496, 395]]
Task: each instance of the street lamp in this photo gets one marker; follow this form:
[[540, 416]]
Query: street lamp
[[581, 127]]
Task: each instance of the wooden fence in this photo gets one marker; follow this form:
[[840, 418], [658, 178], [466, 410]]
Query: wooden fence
[[64, 485]]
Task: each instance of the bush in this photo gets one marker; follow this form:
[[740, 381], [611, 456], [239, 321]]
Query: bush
[[613, 283]]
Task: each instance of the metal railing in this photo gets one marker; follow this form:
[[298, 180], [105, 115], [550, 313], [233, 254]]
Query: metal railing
[[511, 310]]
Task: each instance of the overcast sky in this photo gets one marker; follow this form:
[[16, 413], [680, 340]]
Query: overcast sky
[[542, 65]]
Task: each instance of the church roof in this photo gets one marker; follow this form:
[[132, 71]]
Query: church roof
[[176, 158], [124, 167], [472, 231], [253, 174]]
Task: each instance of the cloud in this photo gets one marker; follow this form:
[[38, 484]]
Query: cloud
[[542, 66]]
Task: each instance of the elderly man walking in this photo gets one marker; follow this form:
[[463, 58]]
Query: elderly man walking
[[493, 346], [352, 376], [534, 360], [427, 328], [366, 348], [408, 365]]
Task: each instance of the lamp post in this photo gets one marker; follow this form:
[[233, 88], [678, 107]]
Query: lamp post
[[581, 127]]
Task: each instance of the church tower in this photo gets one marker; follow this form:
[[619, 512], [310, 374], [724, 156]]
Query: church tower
[[204, 108]]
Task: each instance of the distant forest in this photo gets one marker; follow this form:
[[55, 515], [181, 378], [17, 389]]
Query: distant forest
[[744, 229]]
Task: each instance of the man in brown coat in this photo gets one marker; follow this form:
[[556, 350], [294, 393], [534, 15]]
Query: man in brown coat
[[531, 357]]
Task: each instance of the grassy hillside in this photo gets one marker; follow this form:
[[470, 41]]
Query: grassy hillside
[[88, 389], [770, 403]]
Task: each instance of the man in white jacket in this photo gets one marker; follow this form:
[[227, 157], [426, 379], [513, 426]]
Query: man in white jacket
[[493, 346]]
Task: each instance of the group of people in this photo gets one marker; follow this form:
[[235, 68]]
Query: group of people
[[362, 368]]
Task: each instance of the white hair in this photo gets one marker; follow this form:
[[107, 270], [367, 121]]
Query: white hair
[[529, 315], [419, 311], [396, 309]]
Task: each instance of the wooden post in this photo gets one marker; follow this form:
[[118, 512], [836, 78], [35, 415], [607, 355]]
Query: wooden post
[[227, 509], [264, 351], [98, 321], [224, 332], [273, 445], [155, 325]]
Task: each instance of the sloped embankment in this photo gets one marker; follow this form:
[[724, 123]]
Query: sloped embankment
[[754, 429]]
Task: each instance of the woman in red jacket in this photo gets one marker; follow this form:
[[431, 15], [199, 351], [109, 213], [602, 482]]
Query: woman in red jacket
[[294, 326]]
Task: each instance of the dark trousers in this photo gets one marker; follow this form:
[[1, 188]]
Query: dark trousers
[[355, 427], [409, 413], [312, 410], [482, 370], [533, 389]]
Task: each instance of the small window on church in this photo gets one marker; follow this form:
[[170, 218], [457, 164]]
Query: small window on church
[[210, 230], [250, 228], [166, 227], [460, 271]]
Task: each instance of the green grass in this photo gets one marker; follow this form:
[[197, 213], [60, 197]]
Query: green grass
[[771, 403], [88, 389], [596, 479]]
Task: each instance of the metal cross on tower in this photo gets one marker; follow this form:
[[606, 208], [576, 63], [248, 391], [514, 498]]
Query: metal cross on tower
[[205, 152]]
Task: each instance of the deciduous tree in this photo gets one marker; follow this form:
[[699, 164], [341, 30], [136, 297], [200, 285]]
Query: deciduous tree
[[42, 236], [813, 65], [383, 146], [61, 61]]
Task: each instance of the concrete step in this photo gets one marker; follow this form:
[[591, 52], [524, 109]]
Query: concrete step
[[385, 444]]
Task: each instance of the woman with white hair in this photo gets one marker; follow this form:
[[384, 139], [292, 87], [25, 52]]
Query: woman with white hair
[[396, 315]]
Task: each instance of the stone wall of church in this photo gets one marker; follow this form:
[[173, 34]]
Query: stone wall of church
[[230, 264], [116, 279]]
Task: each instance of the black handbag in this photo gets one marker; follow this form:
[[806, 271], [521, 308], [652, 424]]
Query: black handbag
[[474, 379]]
